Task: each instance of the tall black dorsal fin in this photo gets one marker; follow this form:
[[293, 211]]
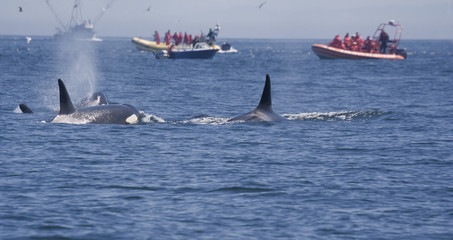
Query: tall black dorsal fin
[[66, 106], [266, 101]]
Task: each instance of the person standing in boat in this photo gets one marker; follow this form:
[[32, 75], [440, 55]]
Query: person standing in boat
[[186, 38], [175, 38], [180, 38], [167, 38], [383, 39], [195, 40], [157, 37]]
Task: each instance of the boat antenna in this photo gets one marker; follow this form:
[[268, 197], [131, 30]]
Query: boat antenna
[[55, 14]]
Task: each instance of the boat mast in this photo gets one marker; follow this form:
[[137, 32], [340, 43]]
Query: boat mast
[[77, 17], [104, 10], [55, 14]]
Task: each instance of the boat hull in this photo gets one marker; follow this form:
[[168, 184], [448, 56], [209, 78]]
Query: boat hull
[[326, 52], [193, 54], [146, 45], [177, 53]]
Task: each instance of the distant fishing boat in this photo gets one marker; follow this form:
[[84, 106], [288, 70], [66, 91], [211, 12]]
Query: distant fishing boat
[[80, 27]]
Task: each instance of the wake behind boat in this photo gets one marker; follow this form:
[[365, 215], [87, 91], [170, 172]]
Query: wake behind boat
[[378, 47]]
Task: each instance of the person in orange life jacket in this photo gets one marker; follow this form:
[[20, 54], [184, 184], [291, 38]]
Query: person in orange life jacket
[[357, 42], [368, 45], [347, 41], [336, 43]]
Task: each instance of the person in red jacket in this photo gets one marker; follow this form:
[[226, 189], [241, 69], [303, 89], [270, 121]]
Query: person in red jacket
[[186, 38], [347, 42], [167, 38], [157, 37], [357, 43], [180, 38], [337, 43]]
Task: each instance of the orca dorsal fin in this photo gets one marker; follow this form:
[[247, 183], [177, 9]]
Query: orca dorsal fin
[[24, 108], [266, 101], [66, 106]]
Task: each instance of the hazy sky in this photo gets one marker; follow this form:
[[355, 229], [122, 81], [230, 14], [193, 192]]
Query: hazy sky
[[421, 19]]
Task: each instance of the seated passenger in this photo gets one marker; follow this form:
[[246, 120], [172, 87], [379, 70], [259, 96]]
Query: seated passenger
[[368, 45], [357, 42], [336, 43], [347, 42]]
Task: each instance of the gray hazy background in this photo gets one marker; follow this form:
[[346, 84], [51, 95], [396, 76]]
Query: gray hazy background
[[421, 19]]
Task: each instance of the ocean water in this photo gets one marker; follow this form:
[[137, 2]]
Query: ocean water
[[366, 153]]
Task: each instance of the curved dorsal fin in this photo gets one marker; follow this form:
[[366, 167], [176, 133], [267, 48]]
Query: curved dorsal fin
[[66, 106], [24, 108], [266, 101]]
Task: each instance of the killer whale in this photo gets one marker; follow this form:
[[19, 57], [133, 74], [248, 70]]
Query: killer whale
[[264, 111], [100, 114]]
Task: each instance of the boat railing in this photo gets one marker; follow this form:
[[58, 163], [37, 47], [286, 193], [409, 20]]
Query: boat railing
[[393, 43]]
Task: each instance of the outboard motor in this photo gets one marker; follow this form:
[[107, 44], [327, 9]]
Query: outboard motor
[[226, 46], [401, 52], [161, 54]]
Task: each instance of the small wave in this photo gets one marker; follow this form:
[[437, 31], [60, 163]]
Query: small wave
[[138, 188], [207, 120], [242, 190], [334, 116], [150, 118]]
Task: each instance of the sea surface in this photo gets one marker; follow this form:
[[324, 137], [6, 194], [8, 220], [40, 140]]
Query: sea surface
[[367, 152]]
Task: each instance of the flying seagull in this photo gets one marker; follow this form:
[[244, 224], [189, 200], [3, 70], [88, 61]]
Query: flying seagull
[[261, 5]]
